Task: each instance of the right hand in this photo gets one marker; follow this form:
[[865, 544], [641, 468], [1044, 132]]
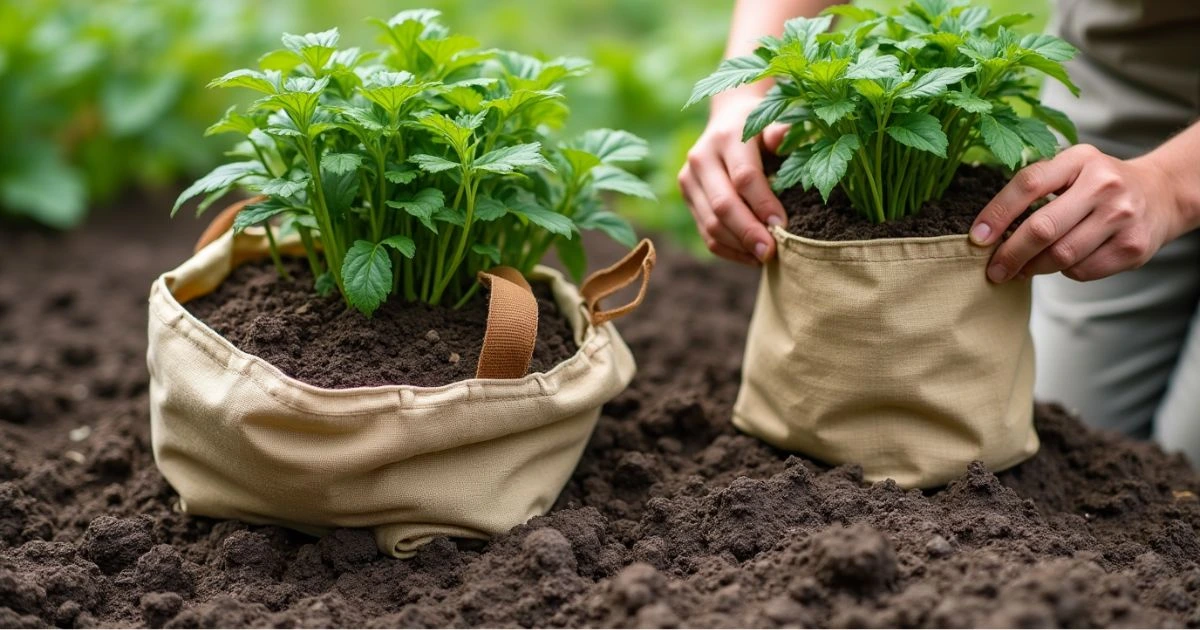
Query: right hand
[[724, 184]]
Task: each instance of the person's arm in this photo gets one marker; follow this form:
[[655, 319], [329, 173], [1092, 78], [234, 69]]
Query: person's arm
[[1110, 215], [723, 181]]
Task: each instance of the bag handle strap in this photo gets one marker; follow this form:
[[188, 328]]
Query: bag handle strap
[[601, 284], [223, 222], [512, 325]]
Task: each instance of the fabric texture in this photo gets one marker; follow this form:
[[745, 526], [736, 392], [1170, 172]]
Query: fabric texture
[[895, 354], [512, 325], [239, 439]]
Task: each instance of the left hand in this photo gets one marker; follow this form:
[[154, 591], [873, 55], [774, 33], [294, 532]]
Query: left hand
[[1110, 215]]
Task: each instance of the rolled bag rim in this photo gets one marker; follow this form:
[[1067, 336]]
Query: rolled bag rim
[[601, 368], [771, 426]]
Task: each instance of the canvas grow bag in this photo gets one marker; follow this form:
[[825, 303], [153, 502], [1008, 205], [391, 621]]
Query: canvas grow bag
[[896, 354], [239, 439]]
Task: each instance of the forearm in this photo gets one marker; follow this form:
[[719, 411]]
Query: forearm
[[753, 19], [1178, 163]]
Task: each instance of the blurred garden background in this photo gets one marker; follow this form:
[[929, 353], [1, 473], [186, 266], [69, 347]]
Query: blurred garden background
[[99, 98]]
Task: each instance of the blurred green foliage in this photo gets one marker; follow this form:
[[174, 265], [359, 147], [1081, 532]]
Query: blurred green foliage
[[100, 95]]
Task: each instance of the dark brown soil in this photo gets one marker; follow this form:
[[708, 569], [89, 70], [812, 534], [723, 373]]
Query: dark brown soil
[[969, 191], [322, 342], [672, 518]]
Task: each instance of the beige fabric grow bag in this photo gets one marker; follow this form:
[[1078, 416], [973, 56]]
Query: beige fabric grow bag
[[239, 439], [896, 354]]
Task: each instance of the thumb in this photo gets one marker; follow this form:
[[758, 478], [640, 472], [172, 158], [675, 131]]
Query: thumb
[[773, 136]]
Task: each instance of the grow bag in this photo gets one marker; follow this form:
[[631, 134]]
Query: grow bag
[[896, 354], [239, 439]]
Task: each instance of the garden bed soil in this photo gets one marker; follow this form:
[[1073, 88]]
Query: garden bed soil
[[970, 190], [672, 518], [323, 342]]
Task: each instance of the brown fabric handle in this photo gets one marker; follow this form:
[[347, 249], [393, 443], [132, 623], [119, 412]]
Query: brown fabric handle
[[638, 262], [512, 325], [223, 222]]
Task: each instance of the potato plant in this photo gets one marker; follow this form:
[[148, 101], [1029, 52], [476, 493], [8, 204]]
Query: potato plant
[[410, 168], [889, 108]]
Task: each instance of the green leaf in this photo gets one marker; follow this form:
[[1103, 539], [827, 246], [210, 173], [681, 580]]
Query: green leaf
[[573, 257], [1053, 69], [792, 170], [281, 187], [232, 122], [1048, 46], [340, 191], [220, 177], [770, 108], [872, 65], [488, 209], [508, 159], [871, 90], [967, 101], [610, 223], [45, 188], [613, 146], [1037, 135], [1003, 142], [402, 176], [1057, 120], [341, 163], [833, 111], [828, 163], [548, 220], [453, 132], [432, 163], [616, 179], [578, 162], [366, 276], [919, 131], [314, 48], [402, 244], [256, 213], [422, 205], [265, 82], [730, 74], [934, 82], [805, 32], [489, 251], [325, 285], [392, 90]]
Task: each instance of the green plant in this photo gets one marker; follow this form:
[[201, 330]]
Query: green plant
[[411, 168], [890, 108]]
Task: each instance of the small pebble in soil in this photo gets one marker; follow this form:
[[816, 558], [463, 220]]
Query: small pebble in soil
[[938, 547]]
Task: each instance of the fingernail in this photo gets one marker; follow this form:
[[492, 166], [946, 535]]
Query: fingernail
[[760, 251], [980, 232], [996, 273], [774, 221]]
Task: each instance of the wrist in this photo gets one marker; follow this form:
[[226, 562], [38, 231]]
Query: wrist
[[1178, 189]]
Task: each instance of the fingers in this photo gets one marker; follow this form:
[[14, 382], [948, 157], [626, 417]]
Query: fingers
[[1030, 184], [716, 237], [773, 136], [744, 165], [1044, 232], [731, 210], [1128, 249], [1070, 250]]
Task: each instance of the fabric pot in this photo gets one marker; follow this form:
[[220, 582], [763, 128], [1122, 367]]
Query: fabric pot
[[896, 354], [239, 439]]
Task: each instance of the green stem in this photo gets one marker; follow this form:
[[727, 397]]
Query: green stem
[[274, 248]]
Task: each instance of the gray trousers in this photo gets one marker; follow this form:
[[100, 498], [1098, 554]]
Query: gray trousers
[[1125, 351]]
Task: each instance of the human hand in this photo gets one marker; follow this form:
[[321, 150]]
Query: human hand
[[1110, 215], [725, 187]]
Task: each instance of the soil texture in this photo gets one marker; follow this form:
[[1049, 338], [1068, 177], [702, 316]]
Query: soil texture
[[970, 190], [323, 342], [672, 517]]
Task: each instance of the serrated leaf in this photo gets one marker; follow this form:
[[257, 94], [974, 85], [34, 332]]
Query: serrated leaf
[[833, 111], [805, 31], [1003, 142], [325, 285], [402, 244], [613, 146], [872, 65], [1057, 120], [489, 209], [401, 177], [610, 223], [828, 163], [314, 48], [919, 131], [790, 172], [934, 82], [548, 220], [508, 159], [616, 179], [256, 213], [220, 177], [871, 90], [366, 276], [768, 110], [969, 102], [232, 122], [341, 163], [731, 73], [264, 82], [1052, 69], [281, 187], [1048, 46], [1037, 135], [432, 163], [422, 205], [489, 251]]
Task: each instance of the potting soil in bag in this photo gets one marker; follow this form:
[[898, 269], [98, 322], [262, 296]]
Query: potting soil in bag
[[239, 439], [896, 354]]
